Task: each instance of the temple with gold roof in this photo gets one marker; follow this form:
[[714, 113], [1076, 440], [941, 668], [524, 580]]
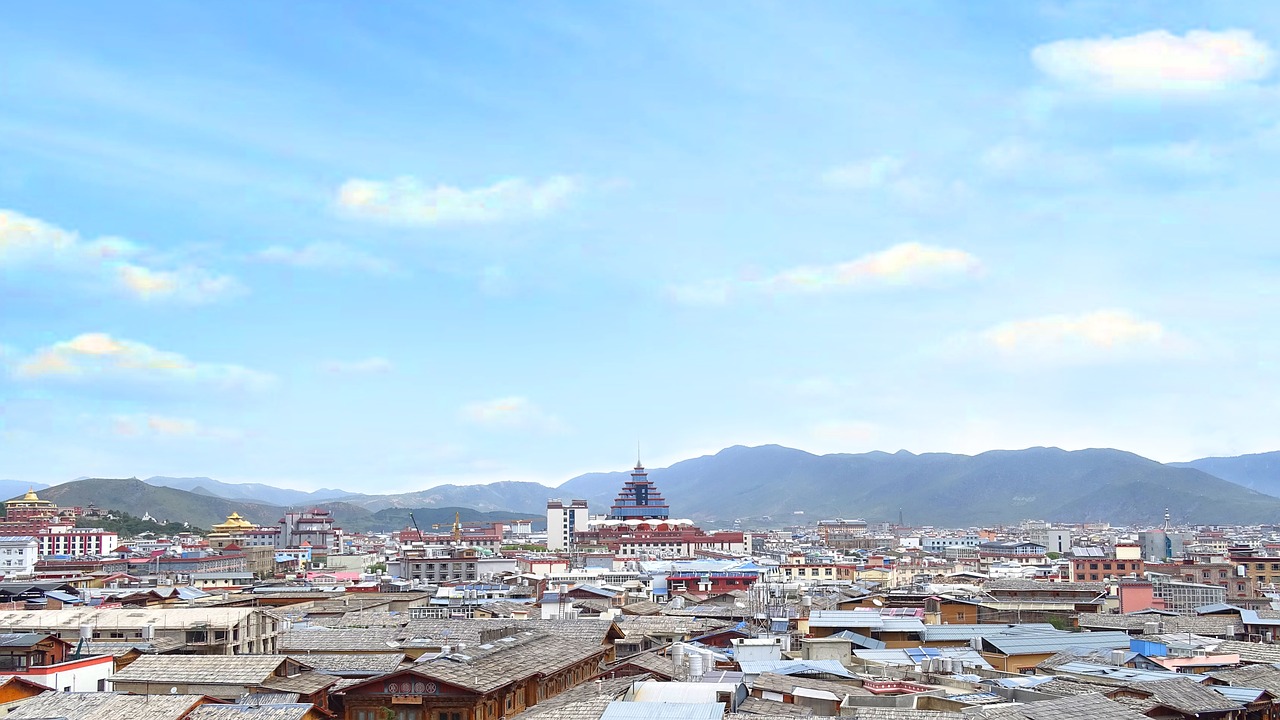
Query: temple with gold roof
[[32, 514]]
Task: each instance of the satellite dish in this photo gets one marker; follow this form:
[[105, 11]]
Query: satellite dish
[[877, 602], [173, 691]]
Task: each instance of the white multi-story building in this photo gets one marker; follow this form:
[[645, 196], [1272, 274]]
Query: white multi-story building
[[18, 555], [564, 522], [77, 542]]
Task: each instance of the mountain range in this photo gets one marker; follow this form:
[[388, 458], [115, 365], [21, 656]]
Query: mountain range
[[254, 492], [771, 484], [204, 510]]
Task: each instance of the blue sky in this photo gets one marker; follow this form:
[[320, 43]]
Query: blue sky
[[386, 247]]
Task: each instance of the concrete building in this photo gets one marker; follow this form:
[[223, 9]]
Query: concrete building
[[564, 522], [204, 631], [1055, 540], [18, 555], [433, 565], [76, 542], [314, 529]]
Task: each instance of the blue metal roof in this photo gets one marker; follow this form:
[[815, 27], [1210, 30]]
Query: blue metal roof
[[1238, 694]]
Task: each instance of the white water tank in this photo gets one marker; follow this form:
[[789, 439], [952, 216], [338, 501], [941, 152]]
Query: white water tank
[[696, 667], [86, 632]]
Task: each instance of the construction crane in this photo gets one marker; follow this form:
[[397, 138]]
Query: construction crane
[[415, 526]]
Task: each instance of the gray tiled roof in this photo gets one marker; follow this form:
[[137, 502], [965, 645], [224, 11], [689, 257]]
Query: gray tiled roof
[[347, 640], [651, 662], [306, 683], [280, 711], [468, 631], [585, 702], [1265, 677], [1186, 696], [774, 682], [669, 625], [201, 669], [1072, 686], [104, 706], [352, 664], [772, 708], [1076, 707], [268, 698], [1250, 652], [1018, 584], [642, 607], [871, 713], [533, 653]]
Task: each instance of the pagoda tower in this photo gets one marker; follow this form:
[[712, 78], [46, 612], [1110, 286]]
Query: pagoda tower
[[639, 499]]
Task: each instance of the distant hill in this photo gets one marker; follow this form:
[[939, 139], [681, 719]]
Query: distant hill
[[13, 488], [202, 510], [137, 497], [253, 492], [529, 497], [398, 518], [942, 489], [1259, 472], [1002, 486]]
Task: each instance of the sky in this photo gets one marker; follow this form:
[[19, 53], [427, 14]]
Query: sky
[[386, 246]]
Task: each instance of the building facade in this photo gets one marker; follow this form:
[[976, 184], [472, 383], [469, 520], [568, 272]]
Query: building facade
[[565, 522]]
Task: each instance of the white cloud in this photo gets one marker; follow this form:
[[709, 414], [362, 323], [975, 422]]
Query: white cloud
[[902, 265], [366, 366], [162, 426], [39, 247], [512, 413], [876, 172], [326, 256], [101, 356], [409, 201], [1100, 336], [1158, 61]]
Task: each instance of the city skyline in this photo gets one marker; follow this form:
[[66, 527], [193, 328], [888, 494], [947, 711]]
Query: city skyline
[[412, 245]]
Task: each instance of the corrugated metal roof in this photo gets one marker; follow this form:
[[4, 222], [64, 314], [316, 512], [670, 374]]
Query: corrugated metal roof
[[1112, 672], [941, 633], [795, 667], [1034, 643], [1239, 694], [619, 710]]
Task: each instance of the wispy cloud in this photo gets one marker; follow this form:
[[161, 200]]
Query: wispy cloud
[[326, 256], [875, 172], [511, 413], [163, 426], [409, 201], [1095, 337], [1158, 61], [902, 265], [365, 366], [39, 247], [100, 356]]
